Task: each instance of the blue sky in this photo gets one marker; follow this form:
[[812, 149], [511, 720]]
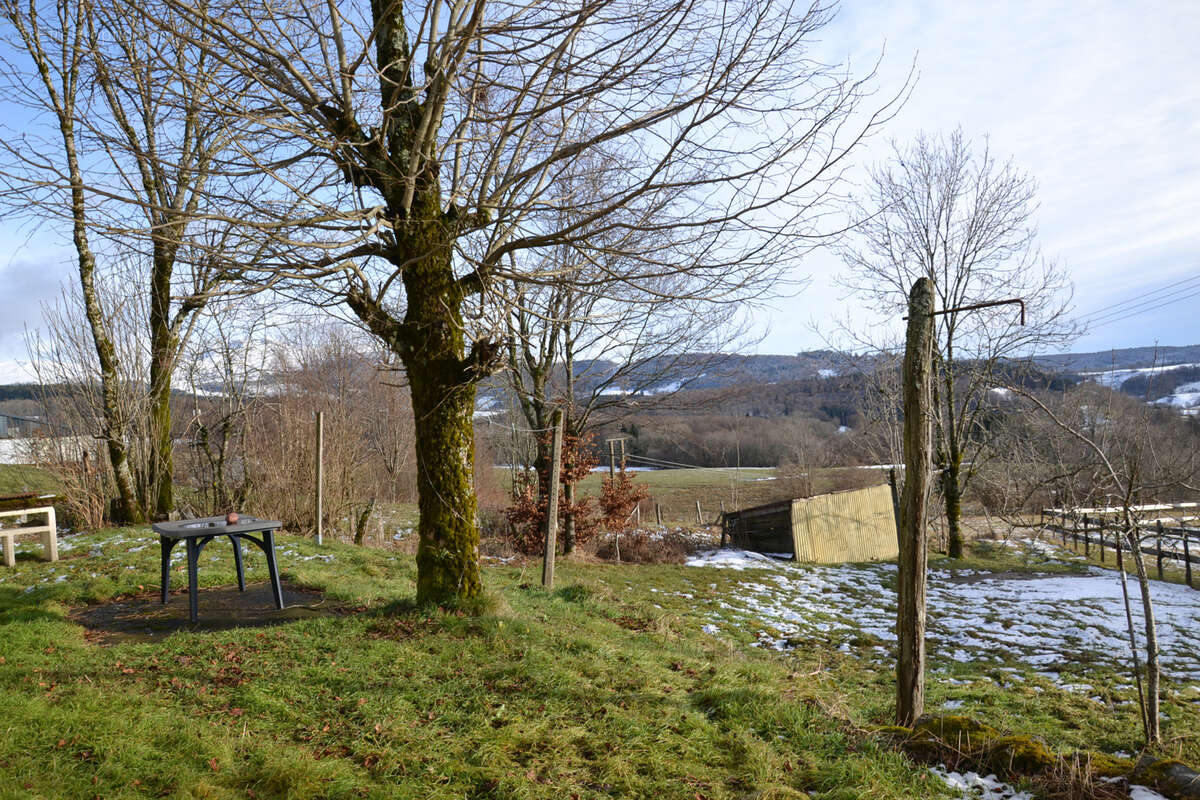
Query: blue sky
[[1097, 100]]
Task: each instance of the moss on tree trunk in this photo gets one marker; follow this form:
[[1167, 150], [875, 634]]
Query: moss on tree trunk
[[952, 497]]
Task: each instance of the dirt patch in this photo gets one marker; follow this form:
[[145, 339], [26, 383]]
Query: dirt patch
[[144, 619]]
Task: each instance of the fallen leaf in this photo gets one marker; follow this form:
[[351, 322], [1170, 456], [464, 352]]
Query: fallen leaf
[[214, 765]]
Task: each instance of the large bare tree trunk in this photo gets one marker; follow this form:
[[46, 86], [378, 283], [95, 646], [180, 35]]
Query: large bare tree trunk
[[442, 379], [910, 587], [443, 398]]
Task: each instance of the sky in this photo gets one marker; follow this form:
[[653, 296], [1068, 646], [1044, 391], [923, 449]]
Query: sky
[[1097, 99]]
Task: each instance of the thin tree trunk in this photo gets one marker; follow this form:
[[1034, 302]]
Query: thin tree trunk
[[162, 463], [125, 508], [952, 468], [952, 497], [910, 586], [1153, 733], [569, 521]]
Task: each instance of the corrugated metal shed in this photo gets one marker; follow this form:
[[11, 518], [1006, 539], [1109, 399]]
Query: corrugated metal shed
[[827, 529]]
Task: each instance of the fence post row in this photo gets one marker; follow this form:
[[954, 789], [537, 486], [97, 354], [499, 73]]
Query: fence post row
[[1187, 558], [1158, 528]]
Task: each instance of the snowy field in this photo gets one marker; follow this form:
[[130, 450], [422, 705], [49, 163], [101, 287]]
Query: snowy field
[[1060, 625]]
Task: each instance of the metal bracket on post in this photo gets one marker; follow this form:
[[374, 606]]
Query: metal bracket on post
[[977, 306]]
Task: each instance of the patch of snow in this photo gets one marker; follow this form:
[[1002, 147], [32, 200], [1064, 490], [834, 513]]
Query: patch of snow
[[711, 630], [827, 373], [1044, 621], [1114, 378], [731, 559], [1144, 793], [1181, 399], [974, 786]]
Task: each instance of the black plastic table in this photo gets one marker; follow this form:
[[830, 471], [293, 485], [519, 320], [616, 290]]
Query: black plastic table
[[195, 533]]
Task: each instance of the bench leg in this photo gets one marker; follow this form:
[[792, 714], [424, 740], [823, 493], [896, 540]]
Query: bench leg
[[193, 555], [273, 567], [50, 538], [10, 553], [237, 560]]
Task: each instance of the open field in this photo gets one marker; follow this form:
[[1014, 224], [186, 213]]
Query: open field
[[677, 490], [20, 478], [624, 682]]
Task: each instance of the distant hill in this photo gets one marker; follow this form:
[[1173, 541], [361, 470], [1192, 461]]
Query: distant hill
[[1123, 358]]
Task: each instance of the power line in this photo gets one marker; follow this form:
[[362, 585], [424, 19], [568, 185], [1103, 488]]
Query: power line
[[1137, 309], [1138, 298]]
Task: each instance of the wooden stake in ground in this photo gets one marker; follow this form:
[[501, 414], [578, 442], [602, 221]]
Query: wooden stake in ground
[[320, 479], [918, 454], [552, 502]]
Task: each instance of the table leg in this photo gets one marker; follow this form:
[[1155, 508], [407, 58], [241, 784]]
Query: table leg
[[193, 555], [164, 546], [237, 560], [272, 567]]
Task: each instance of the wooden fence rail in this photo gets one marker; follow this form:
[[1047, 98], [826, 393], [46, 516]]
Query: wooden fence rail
[[1171, 539]]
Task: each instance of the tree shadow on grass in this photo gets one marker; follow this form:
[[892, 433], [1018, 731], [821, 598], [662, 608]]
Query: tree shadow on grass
[[143, 618]]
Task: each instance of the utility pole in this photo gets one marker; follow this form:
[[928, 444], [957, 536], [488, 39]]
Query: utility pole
[[918, 455], [552, 502]]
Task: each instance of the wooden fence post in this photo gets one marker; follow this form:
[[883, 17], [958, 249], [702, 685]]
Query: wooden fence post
[[699, 516], [320, 477], [1187, 558], [918, 454], [1087, 539], [658, 514], [1158, 531], [1101, 529], [552, 502]]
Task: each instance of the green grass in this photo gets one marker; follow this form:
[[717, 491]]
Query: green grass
[[606, 687], [589, 691], [21, 478]]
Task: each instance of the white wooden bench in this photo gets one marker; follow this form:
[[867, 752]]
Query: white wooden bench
[[49, 533]]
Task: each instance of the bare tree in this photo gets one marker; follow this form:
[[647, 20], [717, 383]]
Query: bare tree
[[578, 344], [126, 160], [940, 210], [418, 145], [1134, 454]]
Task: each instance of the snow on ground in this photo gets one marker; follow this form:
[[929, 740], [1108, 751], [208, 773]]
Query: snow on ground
[[974, 786], [1185, 396], [1113, 378], [1050, 622]]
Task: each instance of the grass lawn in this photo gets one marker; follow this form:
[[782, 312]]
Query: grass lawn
[[614, 685], [21, 478]]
